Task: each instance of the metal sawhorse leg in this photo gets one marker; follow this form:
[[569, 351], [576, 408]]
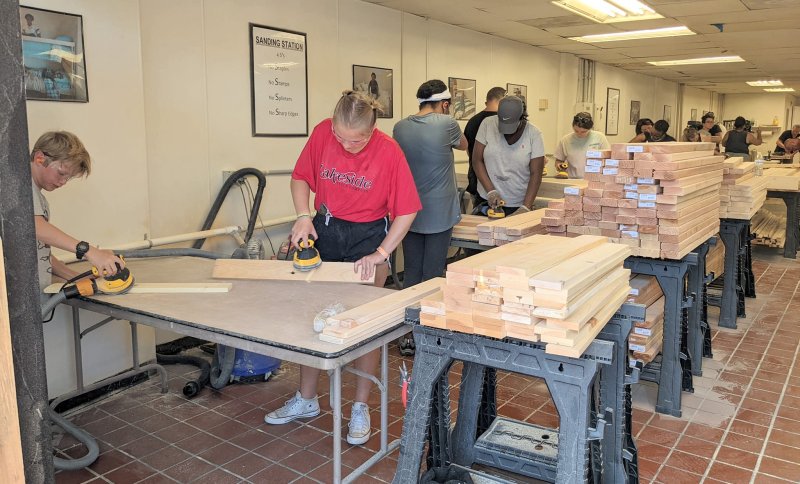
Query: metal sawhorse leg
[[674, 372], [137, 369], [734, 234], [792, 201]]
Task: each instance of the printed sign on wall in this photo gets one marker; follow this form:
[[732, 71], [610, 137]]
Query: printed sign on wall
[[278, 82]]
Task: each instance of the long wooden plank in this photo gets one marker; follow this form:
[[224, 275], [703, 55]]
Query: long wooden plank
[[165, 287], [11, 467], [584, 312], [586, 335], [581, 267], [397, 300], [284, 270], [564, 249]]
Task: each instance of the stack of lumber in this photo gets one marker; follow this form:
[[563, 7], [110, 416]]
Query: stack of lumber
[[378, 315], [511, 228], [768, 229], [554, 187], [742, 194], [467, 228], [783, 178], [562, 291], [647, 337], [660, 199], [715, 259]]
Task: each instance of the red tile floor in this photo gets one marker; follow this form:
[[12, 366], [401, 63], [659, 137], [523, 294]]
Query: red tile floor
[[742, 423]]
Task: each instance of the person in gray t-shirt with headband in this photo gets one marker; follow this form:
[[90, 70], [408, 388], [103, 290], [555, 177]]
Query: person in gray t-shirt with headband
[[428, 138]]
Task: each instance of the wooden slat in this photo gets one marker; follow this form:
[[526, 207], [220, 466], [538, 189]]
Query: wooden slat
[[284, 270], [581, 268], [165, 287], [11, 467]]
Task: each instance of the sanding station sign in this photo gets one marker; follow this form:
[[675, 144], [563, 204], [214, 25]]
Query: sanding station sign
[[278, 82]]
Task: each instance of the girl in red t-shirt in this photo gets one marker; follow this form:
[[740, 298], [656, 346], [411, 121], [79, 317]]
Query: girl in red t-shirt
[[360, 178]]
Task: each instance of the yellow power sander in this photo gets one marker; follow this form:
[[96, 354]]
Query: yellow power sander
[[306, 257], [119, 283], [497, 212]]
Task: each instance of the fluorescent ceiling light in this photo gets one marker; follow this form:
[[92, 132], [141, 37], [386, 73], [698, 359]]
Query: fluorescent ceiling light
[[608, 11], [764, 83], [701, 60], [635, 34], [779, 89]]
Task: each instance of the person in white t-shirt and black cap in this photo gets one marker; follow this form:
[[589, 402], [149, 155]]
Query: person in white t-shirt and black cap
[[508, 158]]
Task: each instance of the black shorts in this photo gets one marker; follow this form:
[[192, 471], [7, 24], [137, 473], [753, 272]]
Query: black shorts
[[342, 241]]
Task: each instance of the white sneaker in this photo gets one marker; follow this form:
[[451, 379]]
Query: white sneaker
[[359, 426], [297, 407]]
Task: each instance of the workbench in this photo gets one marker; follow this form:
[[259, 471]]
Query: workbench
[[591, 395], [792, 200], [267, 317]]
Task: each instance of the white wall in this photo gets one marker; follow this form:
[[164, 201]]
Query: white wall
[[763, 108], [111, 206]]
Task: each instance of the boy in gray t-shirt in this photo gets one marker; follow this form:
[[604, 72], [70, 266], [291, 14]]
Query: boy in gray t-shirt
[[56, 158]]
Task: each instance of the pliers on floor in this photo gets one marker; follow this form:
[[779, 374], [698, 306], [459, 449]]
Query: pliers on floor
[[404, 381]]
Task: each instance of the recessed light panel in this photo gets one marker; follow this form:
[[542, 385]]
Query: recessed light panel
[[635, 34], [701, 60]]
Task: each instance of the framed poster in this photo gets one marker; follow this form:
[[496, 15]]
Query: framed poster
[[52, 55], [462, 105], [517, 90], [636, 107], [693, 116], [278, 82], [612, 111], [667, 114], [377, 82]]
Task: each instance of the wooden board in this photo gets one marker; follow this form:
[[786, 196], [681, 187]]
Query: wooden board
[[11, 466], [645, 290], [580, 268], [374, 316], [285, 271], [164, 287]]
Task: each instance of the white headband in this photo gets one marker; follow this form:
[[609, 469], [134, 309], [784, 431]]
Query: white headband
[[440, 96]]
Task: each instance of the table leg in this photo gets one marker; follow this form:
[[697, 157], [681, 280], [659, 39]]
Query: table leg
[[790, 244], [385, 397], [336, 408]]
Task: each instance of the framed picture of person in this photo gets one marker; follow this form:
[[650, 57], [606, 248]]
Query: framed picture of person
[[377, 82], [636, 107], [517, 90], [52, 55], [462, 104], [612, 111]]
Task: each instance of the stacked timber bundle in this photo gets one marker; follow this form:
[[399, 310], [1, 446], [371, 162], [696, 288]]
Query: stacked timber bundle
[[564, 290], [742, 193], [646, 337], [660, 199], [509, 229], [467, 228], [768, 228]]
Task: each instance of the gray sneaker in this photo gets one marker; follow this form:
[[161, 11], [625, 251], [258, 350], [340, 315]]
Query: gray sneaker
[[297, 407], [359, 426]]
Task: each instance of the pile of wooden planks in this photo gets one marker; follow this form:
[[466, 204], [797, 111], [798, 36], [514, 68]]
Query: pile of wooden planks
[[467, 228], [768, 229], [510, 228], [378, 315], [647, 337], [562, 291], [660, 199], [742, 193], [715, 258]]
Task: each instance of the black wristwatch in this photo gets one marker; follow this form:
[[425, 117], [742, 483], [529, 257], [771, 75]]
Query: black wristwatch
[[81, 249]]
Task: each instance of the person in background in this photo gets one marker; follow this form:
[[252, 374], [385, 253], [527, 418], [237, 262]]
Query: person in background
[[30, 29], [659, 133], [374, 90], [471, 130], [710, 131], [508, 159], [58, 157], [644, 128], [428, 138], [690, 134], [794, 133], [361, 178], [737, 141], [572, 148]]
